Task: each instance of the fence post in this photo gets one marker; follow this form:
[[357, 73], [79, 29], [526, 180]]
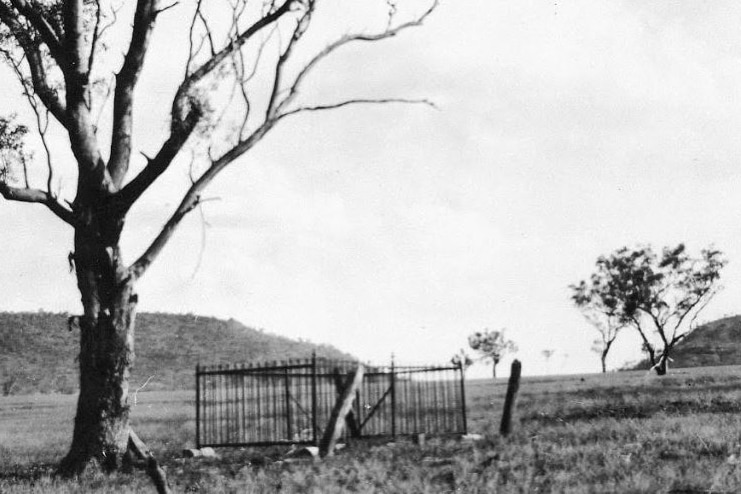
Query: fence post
[[314, 428], [289, 426], [198, 406], [393, 398], [463, 397], [511, 398]]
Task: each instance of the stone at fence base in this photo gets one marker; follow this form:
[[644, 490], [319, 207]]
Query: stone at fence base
[[471, 437], [303, 453], [307, 453], [208, 453], [197, 453]]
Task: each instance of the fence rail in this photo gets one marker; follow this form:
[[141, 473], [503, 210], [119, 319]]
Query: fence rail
[[290, 402]]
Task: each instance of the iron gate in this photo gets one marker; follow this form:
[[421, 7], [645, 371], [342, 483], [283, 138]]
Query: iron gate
[[290, 402]]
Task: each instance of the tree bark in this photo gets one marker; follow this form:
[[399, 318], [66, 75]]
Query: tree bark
[[101, 427], [603, 359], [662, 366]]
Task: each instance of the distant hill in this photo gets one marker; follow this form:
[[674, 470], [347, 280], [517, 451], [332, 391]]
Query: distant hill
[[39, 354], [713, 343]]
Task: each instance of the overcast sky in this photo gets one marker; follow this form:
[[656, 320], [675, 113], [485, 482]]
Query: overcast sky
[[565, 130]]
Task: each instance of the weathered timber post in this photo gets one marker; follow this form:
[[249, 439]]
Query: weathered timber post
[[337, 418], [463, 397], [314, 401], [198, 406], [393, 398], [350, 419], [509, 402], [287, 384], [155, 472]]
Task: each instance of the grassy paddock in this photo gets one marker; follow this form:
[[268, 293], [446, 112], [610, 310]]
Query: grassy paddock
[[620, 432]]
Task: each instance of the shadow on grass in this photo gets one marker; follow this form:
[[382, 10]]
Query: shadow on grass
[[637, 410]]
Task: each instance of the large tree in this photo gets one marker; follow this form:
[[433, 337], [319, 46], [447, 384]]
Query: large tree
[[658, 294], [243, 66]]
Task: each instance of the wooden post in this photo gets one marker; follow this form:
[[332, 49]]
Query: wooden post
[[509, 401], [314, 426], [393, 398], [142, 453], [287, 383], [198, 406], [337, 418], [350, 419], [462, 370]]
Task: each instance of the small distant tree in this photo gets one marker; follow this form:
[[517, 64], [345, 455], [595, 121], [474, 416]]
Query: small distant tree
[[463, 359], [605, 318], [660, 295], [491, 346]]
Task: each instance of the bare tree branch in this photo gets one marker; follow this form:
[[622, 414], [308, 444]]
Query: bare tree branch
[[156, 166], [41, 83], [186, 111], [94, 175], [192, 198], [74, 45], [123, 100], [302, 25], [45, 30], [40, 197], [357, 101], [208, 31], [294, 89], [42, 125], [183, 105], [97, 31], [233, 45]]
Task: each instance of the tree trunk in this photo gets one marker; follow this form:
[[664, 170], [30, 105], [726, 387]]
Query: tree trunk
[[101, 428], [494, 370], [663, 366], [604, 361]]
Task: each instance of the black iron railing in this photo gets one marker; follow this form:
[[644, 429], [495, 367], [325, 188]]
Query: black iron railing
[[290, 402]]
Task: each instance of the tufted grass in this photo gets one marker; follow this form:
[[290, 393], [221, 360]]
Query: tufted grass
[[620, 432]]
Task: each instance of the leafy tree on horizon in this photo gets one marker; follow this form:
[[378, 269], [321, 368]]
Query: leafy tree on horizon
[[462, 358], [659, 295], [491, 345], [242, 72], [604, 318]]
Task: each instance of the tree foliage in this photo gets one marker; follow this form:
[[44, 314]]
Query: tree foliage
[[491, 345], [462, 358], [658, 294], [602, 316]]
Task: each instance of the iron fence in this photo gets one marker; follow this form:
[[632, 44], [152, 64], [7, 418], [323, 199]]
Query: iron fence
[[290, 402]]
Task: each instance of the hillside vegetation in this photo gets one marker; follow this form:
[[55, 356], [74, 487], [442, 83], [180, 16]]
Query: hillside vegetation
[[711, 344], [39, 354]]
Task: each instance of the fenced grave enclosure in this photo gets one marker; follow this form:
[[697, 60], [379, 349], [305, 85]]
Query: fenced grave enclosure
[[290, 402]]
